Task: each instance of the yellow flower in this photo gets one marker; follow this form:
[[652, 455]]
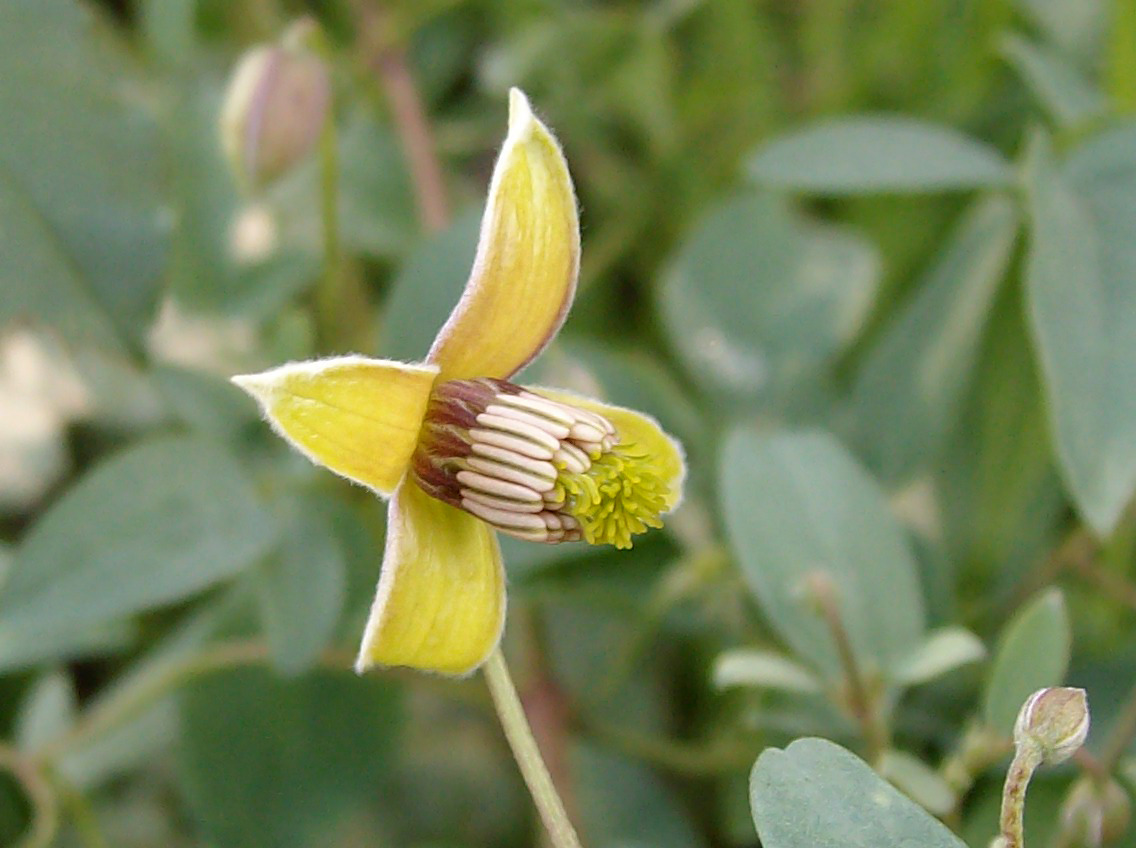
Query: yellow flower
[[460, 451]]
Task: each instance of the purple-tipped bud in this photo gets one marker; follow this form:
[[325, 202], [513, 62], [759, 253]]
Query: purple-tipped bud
[[275, 108], [1055, 721]]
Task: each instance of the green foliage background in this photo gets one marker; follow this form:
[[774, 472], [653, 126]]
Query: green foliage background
[[874, 263]]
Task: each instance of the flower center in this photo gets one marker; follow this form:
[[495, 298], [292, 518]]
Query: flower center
[[535, 468]]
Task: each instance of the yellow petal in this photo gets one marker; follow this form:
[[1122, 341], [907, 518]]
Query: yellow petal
[[635, 428], [440, 604], [359, 417], [524, 275]]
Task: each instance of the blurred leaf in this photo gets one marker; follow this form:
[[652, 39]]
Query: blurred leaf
[[272, 763], [427, 288], [1075, 27], [623, 805], [878, 154], [1060, 88], [797, 505], [82, 237], [1001, 498], [762, 669], [46, 711], [28, 647], [153, 524], [909, 389], [942, 651], [1081, 276], [918, 781], [1033, 652], [814, 794], [207, 403], [758, 296], [301, 589]]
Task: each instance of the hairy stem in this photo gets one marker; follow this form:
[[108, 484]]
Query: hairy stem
[[41, 796], [527, 754], [1026, 760], [860, 701]]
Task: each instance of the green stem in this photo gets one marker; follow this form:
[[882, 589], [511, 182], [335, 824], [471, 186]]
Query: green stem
[[44, 803], [330, 294], [527, 754], [1026, 759]]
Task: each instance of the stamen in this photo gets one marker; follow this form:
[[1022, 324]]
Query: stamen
[[513, 473], [513, 443], [536, 468], [523, 429], [495, 486]]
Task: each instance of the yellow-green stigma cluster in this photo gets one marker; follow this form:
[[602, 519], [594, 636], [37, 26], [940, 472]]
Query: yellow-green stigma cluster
[[535, 468]]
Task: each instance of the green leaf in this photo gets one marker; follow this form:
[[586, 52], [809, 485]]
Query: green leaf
[[909, 390], [624, 805], [918, 781], [815, 794], [759, 297], [428, 285], [301, 589], [153, 524], [1058, 85], [941, 652], [46, 711], [1081, 278], [797, 505], [274, 763], [82, 237], [878, 154], [763, 669], [1033, 652]]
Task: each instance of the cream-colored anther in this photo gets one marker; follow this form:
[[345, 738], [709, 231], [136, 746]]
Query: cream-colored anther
[[573, 458], [513, 473], [537, 467], [504, 519], [540, 406], [582, 431], [525, 447], [502, 503], [518, 428], [556, 429], [497, 486]]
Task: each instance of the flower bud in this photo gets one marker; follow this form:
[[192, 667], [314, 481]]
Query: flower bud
[[1053, 721], [275, 109], [1096, 812]]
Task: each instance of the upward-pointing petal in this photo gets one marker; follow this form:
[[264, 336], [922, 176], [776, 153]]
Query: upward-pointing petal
[[359, 417], [528, 254]]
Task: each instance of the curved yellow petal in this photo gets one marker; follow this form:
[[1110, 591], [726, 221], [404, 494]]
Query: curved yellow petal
[[528, 256], [359, 417], [440, 604], [635, 428]]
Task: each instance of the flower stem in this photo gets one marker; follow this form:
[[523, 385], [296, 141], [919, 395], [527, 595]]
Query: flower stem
[[527, 754], [330, 294], [41, 796], [1026, 759]]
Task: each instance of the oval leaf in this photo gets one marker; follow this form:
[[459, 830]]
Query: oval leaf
[[1081, 279], [815, 794], [1032, 653], [153, 524], [759, 296], [798, 504], [909, 391], [885, 153]]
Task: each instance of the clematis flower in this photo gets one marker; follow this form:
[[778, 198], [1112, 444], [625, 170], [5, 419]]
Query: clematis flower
[[461, 451]]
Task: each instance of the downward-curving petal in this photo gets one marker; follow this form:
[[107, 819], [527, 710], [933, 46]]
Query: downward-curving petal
[[634, 427], [440, 604], [359, 417], [524, 275]]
